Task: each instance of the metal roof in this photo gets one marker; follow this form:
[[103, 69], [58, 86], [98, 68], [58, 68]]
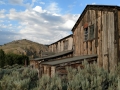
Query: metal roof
[[59, 54], [38, 58], [54, 55], [77, 58]]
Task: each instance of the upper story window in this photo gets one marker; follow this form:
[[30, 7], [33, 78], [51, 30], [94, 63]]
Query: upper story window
[[86, 33], [65, 44], [89, 33], [56, 47]]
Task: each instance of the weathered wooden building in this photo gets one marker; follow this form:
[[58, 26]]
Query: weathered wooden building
[[62, 49], [95, 38], [59, 66], [61, 45], [97, 31]]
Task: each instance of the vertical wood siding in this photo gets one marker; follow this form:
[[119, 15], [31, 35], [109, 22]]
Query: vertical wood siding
[[105, 43], [59, 46], [82, 47], [119, 32]]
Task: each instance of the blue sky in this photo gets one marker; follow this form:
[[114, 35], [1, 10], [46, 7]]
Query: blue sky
[[42, 21]]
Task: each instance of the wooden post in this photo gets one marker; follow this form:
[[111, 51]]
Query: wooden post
[[99, 48], [53, 70], [81, 41]]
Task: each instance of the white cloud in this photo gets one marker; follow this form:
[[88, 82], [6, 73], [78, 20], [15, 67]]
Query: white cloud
[[69, 24], [2, 13], [93, 3], [42, 3], [32, 4], [29, 5], [10, 25], [16, 1], [41, 25], [39, 9], [53, 8]]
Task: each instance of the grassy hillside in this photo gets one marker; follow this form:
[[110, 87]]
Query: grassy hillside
[[24, 47]]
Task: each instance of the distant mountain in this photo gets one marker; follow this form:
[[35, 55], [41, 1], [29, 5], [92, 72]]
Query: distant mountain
[[24, 47]]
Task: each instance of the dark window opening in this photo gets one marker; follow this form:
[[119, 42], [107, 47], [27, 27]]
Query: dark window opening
[[65, 44], [86, 34], [56, 47], [91, 35]]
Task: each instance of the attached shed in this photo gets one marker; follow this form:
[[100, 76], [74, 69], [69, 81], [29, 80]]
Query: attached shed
[[35, 62], [59, 66], [97, 31]]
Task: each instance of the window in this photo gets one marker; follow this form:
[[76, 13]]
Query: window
[[56, 47], [91, 35], [65, 44], [86, 34]]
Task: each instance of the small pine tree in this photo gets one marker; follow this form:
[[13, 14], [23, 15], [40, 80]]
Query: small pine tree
[[2, 58]]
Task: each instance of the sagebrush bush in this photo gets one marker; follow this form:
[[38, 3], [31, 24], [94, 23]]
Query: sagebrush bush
[[91, 77], [18, 78]]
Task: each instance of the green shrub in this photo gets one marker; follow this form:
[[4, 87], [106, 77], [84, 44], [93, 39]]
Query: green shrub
[[91, 77], [18, 78]]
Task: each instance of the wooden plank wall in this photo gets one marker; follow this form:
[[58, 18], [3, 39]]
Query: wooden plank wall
[[81, 40], [84, 47], [113, 44], [59, 46], [119, 32], [109, 44], [105, 43], [99, 48], [74, 40], [53, 70], [105, 39]]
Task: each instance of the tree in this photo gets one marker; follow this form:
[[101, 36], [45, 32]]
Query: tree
[[2, 58]]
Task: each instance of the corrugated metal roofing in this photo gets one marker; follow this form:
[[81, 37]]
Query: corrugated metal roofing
[[54, 55], [38, 58], [77, 58], [59, 54]]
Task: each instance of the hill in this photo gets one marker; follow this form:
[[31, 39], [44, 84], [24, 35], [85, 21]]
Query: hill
[[24, 47]]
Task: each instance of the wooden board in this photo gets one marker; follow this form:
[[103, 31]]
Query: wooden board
[[99, 48], [53, 69]]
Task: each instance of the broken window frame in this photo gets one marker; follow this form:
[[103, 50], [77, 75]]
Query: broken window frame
[[86, 34], [65, 45], [89, 33]]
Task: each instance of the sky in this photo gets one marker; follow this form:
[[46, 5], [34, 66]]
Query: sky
[[42, 21]]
